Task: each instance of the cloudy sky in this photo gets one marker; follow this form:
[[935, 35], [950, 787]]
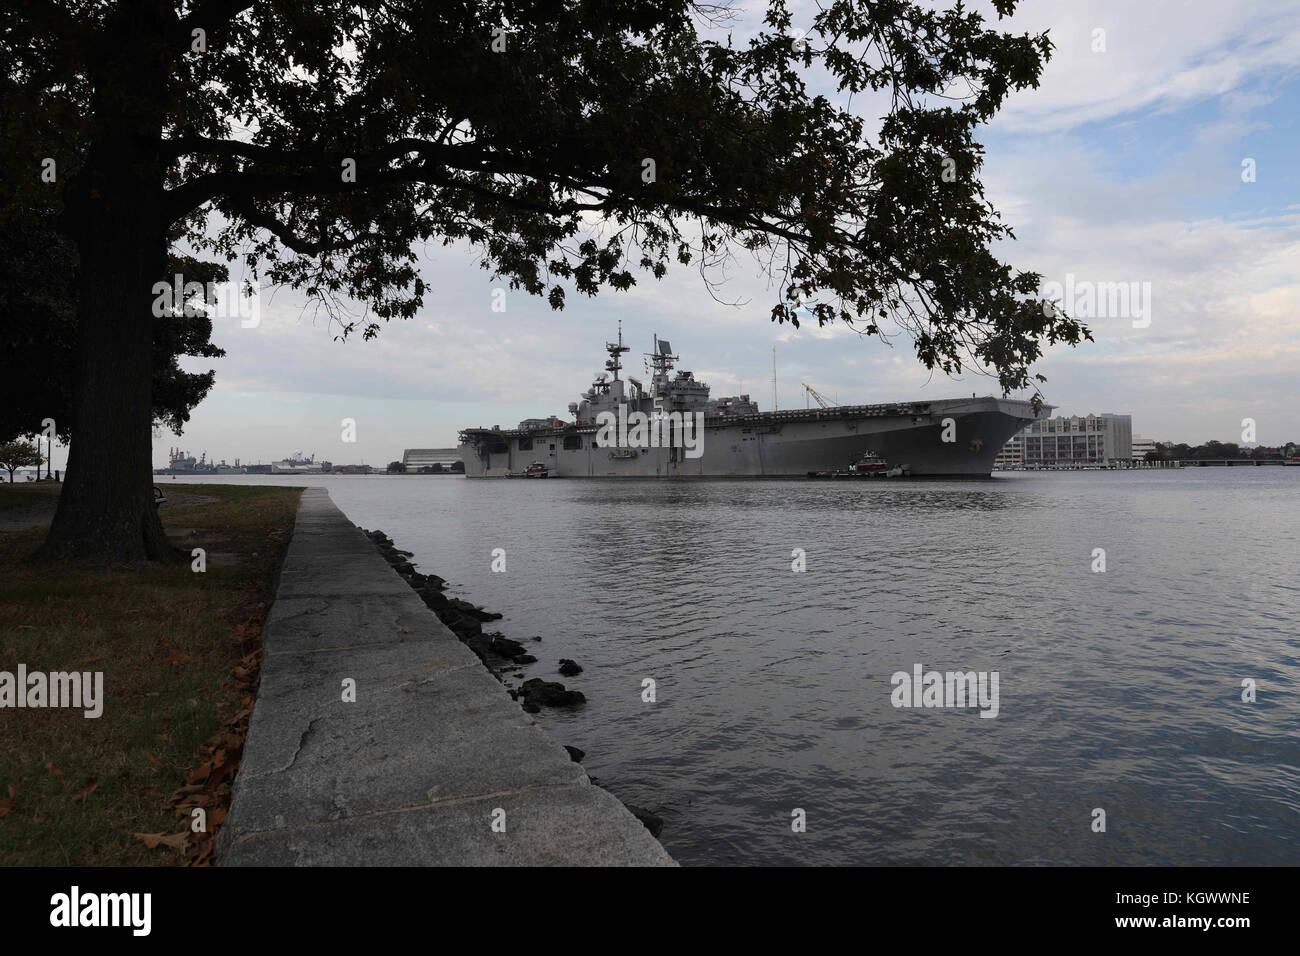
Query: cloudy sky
[[1124, 166]]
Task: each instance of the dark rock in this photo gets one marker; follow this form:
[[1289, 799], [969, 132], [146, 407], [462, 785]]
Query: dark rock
[[653, 823], [537, 639], [479, 644], [525, 659], [530, 707], [507, 648], [433, 598], [569, 668], [550, 693], [575, 754], [473, 610], [465, 627]]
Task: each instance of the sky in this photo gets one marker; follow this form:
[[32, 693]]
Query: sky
[[1125, 166]]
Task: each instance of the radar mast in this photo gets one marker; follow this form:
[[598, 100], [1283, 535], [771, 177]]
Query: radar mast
[[615, 350]]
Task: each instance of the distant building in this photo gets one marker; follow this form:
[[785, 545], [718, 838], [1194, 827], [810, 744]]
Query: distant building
[[1012, 455], [1141, 446], [1070, 441], [416, 459]]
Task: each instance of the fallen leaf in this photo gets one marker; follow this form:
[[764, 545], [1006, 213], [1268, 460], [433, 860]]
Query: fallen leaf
[[92, 657], [175, 657], [152, 840], [49, 765], [154, 760], [91, 786]]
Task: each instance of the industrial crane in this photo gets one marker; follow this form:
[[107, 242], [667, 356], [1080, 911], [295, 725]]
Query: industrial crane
[[821, 399]]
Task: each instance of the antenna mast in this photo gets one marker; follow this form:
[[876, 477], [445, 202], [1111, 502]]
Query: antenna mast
[[774, 404], [616, 349]]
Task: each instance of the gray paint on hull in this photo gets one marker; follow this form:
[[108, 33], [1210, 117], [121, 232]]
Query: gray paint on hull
[[789, 449]]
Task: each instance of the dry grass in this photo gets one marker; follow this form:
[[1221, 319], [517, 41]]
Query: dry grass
[[74, 791]]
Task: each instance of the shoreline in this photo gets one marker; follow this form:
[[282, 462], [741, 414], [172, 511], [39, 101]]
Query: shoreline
[[378, 738], [498, 653]]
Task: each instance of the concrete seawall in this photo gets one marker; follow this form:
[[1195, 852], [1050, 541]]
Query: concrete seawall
[[415, 771]]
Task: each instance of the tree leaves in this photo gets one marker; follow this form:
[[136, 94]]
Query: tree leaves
[[535, 156]]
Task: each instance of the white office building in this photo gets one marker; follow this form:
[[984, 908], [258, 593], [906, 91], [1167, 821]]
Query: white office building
[[1072, 441]]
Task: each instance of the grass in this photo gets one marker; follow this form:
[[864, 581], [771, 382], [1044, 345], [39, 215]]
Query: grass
[[24, 494], [176, 648]]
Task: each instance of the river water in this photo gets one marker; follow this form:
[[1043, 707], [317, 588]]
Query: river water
[[1118, 690]]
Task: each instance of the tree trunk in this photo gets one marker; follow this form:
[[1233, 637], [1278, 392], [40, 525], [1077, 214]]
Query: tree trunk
[[113, 213]]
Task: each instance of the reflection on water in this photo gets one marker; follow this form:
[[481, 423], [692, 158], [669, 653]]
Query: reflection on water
[[1119, 690]]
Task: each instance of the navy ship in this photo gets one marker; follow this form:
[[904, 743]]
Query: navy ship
[[730, 438]]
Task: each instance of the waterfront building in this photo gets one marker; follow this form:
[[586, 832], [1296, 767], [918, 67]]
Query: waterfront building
[[1071, 441], [1141, 446], [1012, 455], [417, 458]]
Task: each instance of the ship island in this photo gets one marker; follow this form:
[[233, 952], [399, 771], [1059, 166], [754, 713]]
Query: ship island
[[948, 438]]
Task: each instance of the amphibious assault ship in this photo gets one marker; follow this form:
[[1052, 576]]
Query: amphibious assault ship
[[958, 437]]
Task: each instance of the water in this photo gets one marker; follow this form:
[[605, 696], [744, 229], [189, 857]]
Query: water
[[1118, 690]]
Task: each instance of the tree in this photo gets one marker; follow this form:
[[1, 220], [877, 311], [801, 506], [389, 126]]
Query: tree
[[570, 143], [19, 454], [38, 332], [396, 468]]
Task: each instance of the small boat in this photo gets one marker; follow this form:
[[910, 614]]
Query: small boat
[[869, 465], [536, 470]]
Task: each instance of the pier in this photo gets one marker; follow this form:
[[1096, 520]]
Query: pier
[[379, 739]]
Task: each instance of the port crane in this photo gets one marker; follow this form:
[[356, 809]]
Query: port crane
[[818, 397]]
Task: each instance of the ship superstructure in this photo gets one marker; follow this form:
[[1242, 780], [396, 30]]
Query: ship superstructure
[[296, 464], [957, 437], [181, 462]]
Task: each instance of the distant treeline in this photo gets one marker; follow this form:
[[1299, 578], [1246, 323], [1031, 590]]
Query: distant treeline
[[1166, 451]]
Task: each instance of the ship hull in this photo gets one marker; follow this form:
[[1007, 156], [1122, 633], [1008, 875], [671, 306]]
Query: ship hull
[[775, 444]]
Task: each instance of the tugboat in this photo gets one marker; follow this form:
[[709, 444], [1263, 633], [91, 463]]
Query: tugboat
[[869, 465], [536, 470]]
